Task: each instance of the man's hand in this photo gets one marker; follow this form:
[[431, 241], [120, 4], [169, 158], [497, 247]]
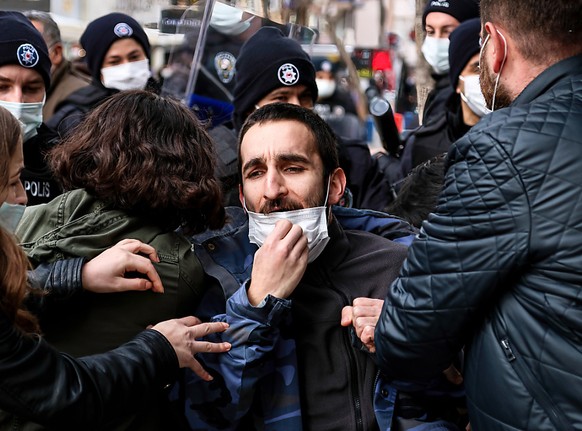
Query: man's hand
[[279, 264], [182, 334], [363, 315], [107, 272]]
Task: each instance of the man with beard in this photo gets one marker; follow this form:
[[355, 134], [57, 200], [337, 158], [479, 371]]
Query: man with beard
[[496, 268], [293, 366]]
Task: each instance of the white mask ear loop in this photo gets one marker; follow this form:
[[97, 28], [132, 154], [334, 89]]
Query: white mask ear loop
[[500, 70]]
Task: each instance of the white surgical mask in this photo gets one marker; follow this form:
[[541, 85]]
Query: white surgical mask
[[313, 221], [436, 53], [473, 96], [10, 215], [227, 20], [127, 76], [325, 88], [29, 115]]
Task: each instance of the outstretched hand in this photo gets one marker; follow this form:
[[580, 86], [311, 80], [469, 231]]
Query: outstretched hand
[[182, 334], [107, 272], [363, 315]]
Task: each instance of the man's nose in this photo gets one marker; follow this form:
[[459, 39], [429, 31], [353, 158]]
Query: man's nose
[[274, 186]]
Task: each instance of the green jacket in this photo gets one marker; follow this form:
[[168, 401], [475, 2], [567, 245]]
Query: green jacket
[[77, 224]]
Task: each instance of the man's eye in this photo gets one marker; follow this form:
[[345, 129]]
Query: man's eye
[[294, 169], [254, 174]]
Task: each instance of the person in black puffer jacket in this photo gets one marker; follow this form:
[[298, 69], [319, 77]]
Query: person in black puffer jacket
[[496, 269]]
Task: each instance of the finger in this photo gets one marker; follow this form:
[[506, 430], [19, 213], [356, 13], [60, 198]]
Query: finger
[[453, 375], [367, 335], [144, 266], [136, 246], [189, 320], [208, 328], [208, 347], [195, 366], [136, 284], [282, 229], [347, 315]]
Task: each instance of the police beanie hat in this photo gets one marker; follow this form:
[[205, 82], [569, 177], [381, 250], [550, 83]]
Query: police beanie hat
[[23, 45], [464, 45], [101, 33], [462, 10], [269, 60], [324, 64]]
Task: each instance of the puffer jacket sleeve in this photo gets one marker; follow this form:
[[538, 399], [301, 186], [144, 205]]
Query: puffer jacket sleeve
[[54, 389], [466, 252]]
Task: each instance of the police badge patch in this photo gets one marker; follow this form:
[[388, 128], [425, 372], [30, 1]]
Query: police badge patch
[[27, 55], [224, 63], [123, 30], [288, 74]]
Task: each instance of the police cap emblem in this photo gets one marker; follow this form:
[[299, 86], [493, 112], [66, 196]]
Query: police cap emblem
[[224, 63], [123, 30], [27, 55], [288, 74]]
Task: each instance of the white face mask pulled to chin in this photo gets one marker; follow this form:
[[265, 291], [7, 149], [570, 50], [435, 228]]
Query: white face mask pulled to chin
[[313, 221], [127, 76]]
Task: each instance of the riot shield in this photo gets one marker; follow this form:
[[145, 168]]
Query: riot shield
[[201, 70]]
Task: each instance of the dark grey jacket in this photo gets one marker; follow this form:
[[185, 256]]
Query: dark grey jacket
[[498, 268]]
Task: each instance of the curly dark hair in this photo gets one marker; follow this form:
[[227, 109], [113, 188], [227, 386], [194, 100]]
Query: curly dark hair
[[145, 154]]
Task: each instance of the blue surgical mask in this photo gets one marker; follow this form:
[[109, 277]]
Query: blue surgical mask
[[10, 215], [436, 53], [29, 115]]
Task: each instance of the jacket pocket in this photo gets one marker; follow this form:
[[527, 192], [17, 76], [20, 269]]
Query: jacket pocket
[[536, 390]]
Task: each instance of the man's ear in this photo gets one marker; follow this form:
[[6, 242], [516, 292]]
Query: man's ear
[[498, 47], [337, 186], [56, 54]]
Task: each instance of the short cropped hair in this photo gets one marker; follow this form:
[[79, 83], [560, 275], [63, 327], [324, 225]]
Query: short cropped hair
[[148, 155], [324, 137], [544, 30], [51, 32]]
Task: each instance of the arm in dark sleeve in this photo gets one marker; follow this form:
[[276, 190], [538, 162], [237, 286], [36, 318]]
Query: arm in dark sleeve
[[56, 282], [54, 389], [463, 258]]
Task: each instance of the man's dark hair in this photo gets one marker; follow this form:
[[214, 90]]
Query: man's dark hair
[[419, 194], [545, 30], [324, 136], [147, 155]]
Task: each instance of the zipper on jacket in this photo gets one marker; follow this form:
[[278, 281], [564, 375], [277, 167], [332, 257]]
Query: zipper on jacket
[[352, 362], [536, 390], [507, 350]]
